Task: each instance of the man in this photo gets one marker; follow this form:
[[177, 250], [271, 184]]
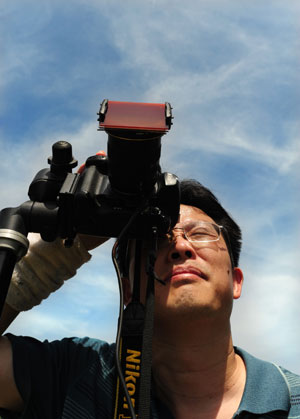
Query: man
[[197, 373]]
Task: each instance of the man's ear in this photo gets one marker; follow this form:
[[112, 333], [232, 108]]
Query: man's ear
[[238, 278], [126, 290]]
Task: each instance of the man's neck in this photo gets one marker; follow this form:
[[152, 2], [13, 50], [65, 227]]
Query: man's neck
[[198, 373]]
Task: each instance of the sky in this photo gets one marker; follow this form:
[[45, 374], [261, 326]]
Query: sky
[[230, 71]]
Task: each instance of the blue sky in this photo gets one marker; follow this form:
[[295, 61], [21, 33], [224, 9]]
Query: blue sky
[[230, 71]]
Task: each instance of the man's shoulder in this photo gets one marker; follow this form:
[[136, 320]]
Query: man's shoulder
[[88, 342], [103, 349], [252, 362], [67, 347], [269, 387], [80, 341]]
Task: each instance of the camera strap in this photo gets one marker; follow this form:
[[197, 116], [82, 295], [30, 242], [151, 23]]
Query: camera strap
[[145, 383], [135, 352], [130, 355]]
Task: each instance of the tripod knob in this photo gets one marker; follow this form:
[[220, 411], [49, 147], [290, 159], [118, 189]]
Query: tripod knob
[[62, 159]]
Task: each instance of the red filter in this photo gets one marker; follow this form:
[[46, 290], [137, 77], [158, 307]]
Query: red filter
[[134, 116]]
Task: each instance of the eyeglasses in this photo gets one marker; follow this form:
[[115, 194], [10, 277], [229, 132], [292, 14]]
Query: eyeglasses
[[196, 232]]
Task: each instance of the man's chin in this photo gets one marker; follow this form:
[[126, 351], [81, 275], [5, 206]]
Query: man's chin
[[185, 310]]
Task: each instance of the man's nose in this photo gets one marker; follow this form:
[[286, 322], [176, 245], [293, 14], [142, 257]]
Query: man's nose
[[181, 247]]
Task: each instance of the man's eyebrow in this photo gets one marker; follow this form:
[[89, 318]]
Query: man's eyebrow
[[191, 221]]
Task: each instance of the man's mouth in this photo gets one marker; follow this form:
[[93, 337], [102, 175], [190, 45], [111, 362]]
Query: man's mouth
[[184, 274]]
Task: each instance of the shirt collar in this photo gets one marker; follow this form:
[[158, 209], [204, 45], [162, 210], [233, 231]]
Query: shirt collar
[[266, 389]]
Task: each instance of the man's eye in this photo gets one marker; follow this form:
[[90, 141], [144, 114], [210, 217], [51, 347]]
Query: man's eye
[[200, 233]]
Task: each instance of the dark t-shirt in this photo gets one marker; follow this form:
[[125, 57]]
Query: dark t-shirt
[[75, 379]]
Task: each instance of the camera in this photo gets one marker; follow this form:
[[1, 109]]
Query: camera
[[104, 197]]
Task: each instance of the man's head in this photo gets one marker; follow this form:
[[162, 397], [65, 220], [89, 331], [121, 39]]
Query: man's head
[[198, 203]]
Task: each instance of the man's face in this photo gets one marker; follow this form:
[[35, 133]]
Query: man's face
[[199, 280]]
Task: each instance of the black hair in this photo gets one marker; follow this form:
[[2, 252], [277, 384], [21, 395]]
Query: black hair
[[193, 193]]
